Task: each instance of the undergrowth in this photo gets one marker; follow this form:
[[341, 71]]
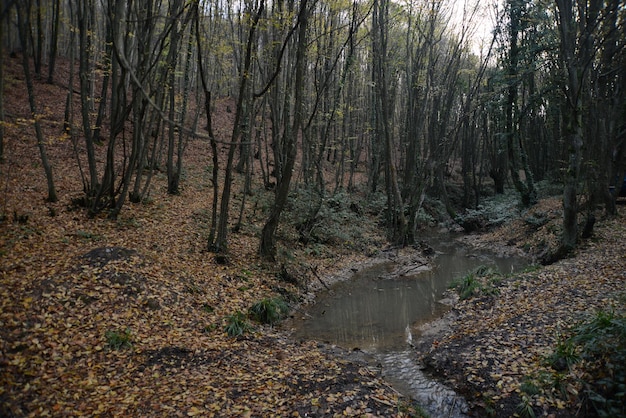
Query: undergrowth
[[322, 222], [269, 310], [597, 350], [602, 344], [237, 324], [481, 280], [494, 211], [117, 340]]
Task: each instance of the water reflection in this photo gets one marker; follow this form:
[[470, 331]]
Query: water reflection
[[373, 312], [377, 312]]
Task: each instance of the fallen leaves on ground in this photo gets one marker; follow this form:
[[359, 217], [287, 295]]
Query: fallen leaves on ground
[[125, 317], [498, 342]]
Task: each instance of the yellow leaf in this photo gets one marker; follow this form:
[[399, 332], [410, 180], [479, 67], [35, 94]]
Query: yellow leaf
[[194, 411]]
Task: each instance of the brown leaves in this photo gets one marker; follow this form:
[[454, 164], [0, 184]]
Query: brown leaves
[[495, 347], [61, 298]]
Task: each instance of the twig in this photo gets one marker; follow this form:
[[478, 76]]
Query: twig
[[314, 271], [413, 267]]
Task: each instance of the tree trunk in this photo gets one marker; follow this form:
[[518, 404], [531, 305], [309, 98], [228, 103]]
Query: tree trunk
[[54, 39], [1, 92], [221, 242], [85, 34], [576, 51], [22, 14], [267, 246]]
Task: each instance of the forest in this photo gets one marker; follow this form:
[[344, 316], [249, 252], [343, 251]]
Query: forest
[[166, 164], [330, 97]]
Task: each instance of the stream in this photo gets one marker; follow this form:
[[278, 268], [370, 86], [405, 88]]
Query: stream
[[379, 314]]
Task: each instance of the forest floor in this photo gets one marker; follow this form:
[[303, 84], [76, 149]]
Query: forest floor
[[495, 346], [127, 317]]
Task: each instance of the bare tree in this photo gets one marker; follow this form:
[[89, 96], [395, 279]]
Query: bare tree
[[577, 23], [243, 105], [23, 11], [267, 246]]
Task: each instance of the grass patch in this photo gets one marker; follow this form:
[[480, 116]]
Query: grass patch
[[602, 344], [412, 409], [597, 351], [269, 310], [482, 280], [564, 355], [237, 324], [117, 340]]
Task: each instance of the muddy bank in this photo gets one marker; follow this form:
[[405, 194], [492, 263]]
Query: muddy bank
[[493, 347], [373, 314], [409, 260]]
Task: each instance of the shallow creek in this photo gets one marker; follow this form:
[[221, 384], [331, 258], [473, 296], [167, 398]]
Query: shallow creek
[[379, 313]]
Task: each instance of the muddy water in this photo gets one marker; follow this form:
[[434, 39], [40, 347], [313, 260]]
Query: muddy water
[[379, 313]]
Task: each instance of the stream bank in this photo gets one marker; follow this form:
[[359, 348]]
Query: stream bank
[[374, 314], [494, 348]]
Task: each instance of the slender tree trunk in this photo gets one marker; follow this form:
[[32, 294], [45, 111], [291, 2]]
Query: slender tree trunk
[[38, 45], [22, 18], [267, 247], [1, 92], [173, 175], [85, 34], [209, 127], [576, 51], [221, 243], [54, 39], [517, 158]]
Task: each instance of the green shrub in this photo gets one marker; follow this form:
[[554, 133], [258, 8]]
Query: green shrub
[[237, 324], [467, 286], [337, 222], [480, 280], [492, 212], [412, 409], [525, 408], [564, 356], [530, 387], [422, 218], [602, 343], [118, 339], [269, 310]]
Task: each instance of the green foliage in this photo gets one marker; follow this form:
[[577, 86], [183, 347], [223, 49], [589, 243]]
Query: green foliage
[[483, 280], [117, 340], [492, 212], [269, 310], [530, 387], [466, 286], [412, 409], [210, 328], [536, 220], [547, 188], [602, 342], [237, 324], [598, 348], [339, 220], [564, 356], [531, 268], [88, 235], [423, 218], [525, 408], [489, 404]]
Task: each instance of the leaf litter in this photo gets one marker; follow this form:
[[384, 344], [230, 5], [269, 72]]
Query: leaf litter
[[71, 286], [498, 342]]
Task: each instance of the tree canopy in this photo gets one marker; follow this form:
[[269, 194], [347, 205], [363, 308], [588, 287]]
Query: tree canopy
[[335, 96]]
